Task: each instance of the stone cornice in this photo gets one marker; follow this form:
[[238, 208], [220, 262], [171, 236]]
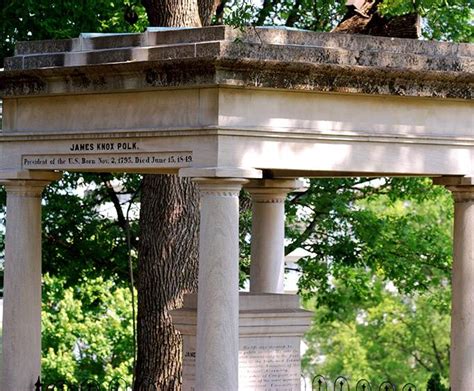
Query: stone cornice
[[258, 58], [27, 183], [222, 131]]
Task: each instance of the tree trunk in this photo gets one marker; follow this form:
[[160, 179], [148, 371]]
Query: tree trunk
[[168, 251], [167, 270], [180, 13], [172, 13]]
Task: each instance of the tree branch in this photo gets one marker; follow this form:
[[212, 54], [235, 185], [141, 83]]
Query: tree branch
[[402, 347], [436, 351], [304, 236], [220, 11], [122, 221]]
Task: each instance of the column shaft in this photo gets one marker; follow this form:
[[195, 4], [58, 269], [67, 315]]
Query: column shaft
[[462, 317], [22, 286], [217, 345], [267, 268]]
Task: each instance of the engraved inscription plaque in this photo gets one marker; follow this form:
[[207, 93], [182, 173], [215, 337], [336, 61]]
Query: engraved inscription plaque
[[189, 363], [269, 364], [265, 364]]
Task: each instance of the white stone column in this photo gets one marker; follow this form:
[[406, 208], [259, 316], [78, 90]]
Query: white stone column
[[22, 285], [267, 268], [217, 345], [462, 315]]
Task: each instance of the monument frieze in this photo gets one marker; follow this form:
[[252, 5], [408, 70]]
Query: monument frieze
[[106, 155]]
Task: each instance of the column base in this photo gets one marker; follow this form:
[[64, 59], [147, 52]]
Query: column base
[[270, 330]]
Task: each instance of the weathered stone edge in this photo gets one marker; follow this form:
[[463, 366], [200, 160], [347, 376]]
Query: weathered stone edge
[[348, 79], [250, 73]]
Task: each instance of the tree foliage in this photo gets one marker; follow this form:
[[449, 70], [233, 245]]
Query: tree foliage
[[392, 337], [399, 228], [87, 331], [379, 280], [86, 226]]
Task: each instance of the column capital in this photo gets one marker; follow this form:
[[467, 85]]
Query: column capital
[[462, 188], [221, 187], [24, 188], [28, 175], [462, 193], [27, 184], [272, 190]]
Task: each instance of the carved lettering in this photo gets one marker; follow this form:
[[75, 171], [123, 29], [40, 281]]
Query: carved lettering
[[108, 160], [82, 147], [104, 146], [269, 367]]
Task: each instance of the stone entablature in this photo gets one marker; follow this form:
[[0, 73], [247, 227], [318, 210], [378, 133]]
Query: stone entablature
[[250, 57], [293, 103]]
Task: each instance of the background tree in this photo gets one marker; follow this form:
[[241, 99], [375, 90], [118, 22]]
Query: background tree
[[169, 220], [87, 332], [391, 337], [87, 313], [378, 280], [442, 20], [33, 20]]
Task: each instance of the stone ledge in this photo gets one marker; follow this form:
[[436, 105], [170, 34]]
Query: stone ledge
[[258, 35], [220, 172], [263, 315], [248, 51], [258, 44]]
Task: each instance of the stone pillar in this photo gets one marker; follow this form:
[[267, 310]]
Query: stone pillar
[[22, 285], [462, 315], [217, 350], [267, 268]]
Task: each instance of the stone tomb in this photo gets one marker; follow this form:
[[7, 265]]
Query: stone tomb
[[231, 108], [271, 327]]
